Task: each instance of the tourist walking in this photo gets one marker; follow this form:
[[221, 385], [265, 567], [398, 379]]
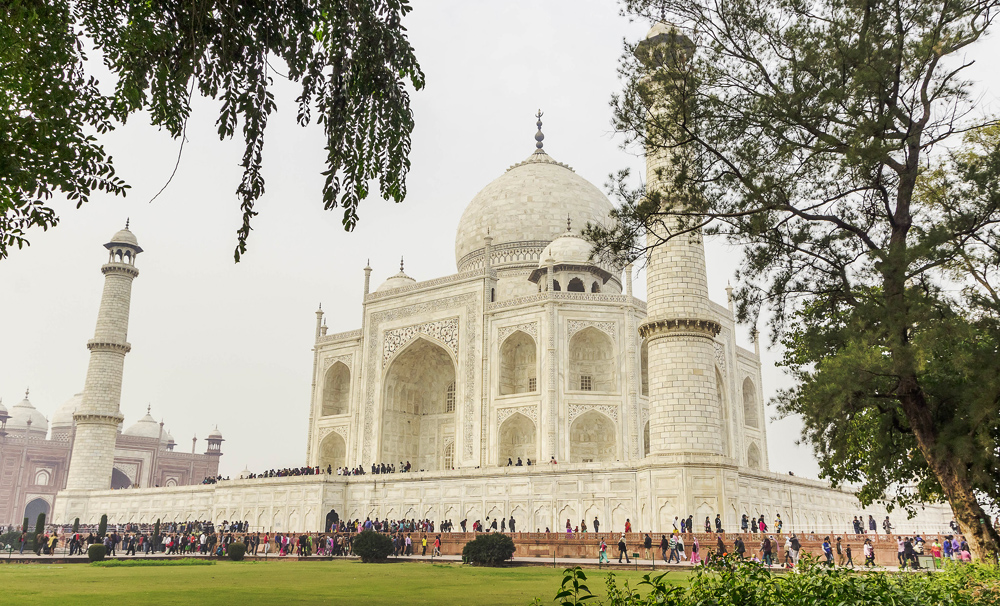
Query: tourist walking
[[602, 552], [664, 546], [647, 546], [622, 550], [695, 548], [673, 550]]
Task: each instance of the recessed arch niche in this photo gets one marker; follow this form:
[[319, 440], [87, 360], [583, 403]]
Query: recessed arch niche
[[750, 404], [592, 438], [517, 438], [336, 390], [415, 417], [644, 368], [753, 457], [592, 361], [333, 451], [518, 364]]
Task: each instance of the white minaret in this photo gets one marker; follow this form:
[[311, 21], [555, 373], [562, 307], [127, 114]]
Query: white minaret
[[684, 414], [98, 417]]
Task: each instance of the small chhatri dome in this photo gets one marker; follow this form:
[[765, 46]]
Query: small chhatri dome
[[124, 237], [215, 434], [22, 412], [63, 416], [568, 249], [397, 281], [146, 427]]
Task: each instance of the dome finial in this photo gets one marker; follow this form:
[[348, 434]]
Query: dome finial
[[539, 136], [569, 224], [400, 263], [149, 407], [127, 219], [26, 391]]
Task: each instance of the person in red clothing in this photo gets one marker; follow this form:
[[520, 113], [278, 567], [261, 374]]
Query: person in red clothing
[[628, 525]]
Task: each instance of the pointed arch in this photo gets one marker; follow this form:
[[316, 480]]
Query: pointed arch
[[415, 418], [518, 364], [750, 404], [645, 440], [333, 451], [720, 398], [517, 438], [35, 507], [592, 438], [119, 479], [336, 390], [753, 457], [592, 361], [576, 285], [644, 368]]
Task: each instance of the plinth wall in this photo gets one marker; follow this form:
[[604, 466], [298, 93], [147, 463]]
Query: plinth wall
[[538, 497]]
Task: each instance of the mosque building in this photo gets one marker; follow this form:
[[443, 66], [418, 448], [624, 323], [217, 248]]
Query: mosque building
[[532, 350], [35, 457]]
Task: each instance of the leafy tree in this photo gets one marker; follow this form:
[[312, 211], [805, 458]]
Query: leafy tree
[[24, 526], [102, 527], [156, 535], [351, 58], [76, 525], [824, 138]]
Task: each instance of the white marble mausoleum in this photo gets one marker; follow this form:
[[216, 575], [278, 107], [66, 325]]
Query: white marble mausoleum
[[627, 408]]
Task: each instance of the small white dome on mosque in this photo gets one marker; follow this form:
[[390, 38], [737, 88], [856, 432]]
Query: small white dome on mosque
[[396, 281], [567, 249], [21, 412], [215, 434], [146, 427], [63, 416]]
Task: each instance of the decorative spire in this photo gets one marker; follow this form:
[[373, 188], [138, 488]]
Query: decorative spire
[[400, 264], [149, 407], [26, 390], [569, 224], [539, 137], [127, 219]]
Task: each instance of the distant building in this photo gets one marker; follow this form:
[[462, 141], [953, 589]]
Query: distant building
[[35, 454]]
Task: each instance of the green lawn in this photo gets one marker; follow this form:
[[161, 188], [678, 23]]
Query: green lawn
[[284, 583]]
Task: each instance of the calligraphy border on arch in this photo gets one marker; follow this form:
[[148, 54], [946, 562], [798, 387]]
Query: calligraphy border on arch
[[445, 331], [529, 328], [575, 410], [530, 411], [347, 360], [575, 326], [375, 349]]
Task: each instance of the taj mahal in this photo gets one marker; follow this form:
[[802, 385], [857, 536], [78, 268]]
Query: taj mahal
[[533, 350]]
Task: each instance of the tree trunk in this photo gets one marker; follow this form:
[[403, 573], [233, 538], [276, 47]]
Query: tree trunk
[[973, 521]]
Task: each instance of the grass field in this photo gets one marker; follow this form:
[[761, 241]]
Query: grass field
[[337, 582]]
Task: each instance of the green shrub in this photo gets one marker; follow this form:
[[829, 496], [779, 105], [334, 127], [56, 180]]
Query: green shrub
[[102, 528], [730, 582], [372, 546], [236, 551], [11, 538], [76, 525], [96, 552], [488, 550]]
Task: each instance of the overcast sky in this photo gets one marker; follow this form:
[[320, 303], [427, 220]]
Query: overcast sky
[[218, 343]]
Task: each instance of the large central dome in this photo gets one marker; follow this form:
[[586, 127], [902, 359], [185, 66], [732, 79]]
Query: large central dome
[[524, 209]]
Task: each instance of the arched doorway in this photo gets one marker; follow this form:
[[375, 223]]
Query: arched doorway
[[517, 440], [517, 364], [331, 519], [119, 479], [33, 508], [592, 438], [332, 452], [416, 421], [336, 390], [592, 361]]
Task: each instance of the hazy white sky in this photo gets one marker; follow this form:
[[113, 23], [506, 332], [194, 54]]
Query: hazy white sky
[[218, 343]]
